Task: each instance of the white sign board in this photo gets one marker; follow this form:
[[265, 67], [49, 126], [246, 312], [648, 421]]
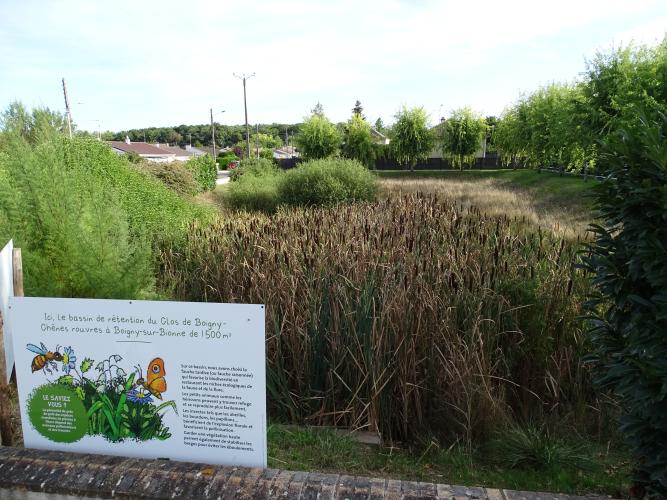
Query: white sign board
[[6, 291], [177, 380]]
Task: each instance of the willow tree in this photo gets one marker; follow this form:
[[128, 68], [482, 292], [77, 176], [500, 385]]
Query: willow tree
[[464, 132], [358, 141], [318, 137], [411, 139]]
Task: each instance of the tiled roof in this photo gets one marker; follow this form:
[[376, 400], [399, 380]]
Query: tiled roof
[[176, 150], [141, 148]]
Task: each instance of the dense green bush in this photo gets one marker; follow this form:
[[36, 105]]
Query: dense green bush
[[318, 137], [358, 142], [629, 314], [74, 233], [562, 124], [173, 175], [225, 158], [327, 182], [88, 222], [256, 167], [411, 139], [464, 131], [152, 210], [204, 171], [254, 193]]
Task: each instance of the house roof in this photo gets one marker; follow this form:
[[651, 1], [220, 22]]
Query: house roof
[[141, 148], [377, 133], [175, 150]]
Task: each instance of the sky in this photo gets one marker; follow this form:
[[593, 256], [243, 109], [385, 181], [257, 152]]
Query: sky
[[161, 63]]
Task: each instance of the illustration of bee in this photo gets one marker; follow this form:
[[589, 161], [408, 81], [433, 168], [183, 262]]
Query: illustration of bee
[[45, 359], [155, 383]]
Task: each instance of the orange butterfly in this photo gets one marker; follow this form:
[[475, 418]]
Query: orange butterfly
[[156, 383]]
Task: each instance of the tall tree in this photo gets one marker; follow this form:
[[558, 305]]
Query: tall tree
[[358, 142], [318, 137], [411, 138], [318, 109], [379, 125], [358, 109], [464, 132]]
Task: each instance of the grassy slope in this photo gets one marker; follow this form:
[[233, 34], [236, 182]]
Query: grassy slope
[[545, 184], [546, 199]]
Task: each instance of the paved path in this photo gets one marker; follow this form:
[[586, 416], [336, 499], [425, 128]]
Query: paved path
[[223, 177]]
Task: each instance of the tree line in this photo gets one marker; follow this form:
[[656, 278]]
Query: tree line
[[563, 124]]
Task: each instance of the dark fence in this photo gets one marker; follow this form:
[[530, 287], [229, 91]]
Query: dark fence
[[491, 161]]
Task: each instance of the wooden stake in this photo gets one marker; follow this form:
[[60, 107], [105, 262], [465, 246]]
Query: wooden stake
[[6, 430], [17, 263]]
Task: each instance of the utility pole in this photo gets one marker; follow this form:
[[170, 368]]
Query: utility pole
[[257, 139], [245, 105], [213, 133], [68, 112]]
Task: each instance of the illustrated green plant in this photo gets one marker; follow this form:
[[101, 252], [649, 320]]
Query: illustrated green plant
[[115, 407], [628, 314]]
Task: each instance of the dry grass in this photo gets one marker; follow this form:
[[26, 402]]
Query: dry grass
[[406, 316], [493, 196]]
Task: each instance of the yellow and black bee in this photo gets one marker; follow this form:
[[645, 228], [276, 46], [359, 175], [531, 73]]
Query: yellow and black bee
[[45, 359]]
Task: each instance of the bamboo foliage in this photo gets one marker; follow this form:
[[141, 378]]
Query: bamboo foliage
[[403, 316]]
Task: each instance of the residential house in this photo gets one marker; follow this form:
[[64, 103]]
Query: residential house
[[285, 152], [181, 154], [147, 151], [195, 151], [379, 137]]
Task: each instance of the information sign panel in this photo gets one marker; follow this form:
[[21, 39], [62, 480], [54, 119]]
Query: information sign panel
[[177, 380]]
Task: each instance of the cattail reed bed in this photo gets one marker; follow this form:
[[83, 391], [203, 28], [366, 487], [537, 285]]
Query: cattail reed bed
[[405, 316]]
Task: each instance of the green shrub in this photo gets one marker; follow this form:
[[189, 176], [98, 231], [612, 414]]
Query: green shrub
[[534, 448], [204, 171], [327, 182], [74, 232], [318, 137], [225, 158], [152, 210], [257, 167], [254, 193], [173, 175], [629, 314]]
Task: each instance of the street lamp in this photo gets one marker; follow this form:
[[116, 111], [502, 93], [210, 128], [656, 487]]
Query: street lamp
[[99, 135], [245, 105], [213, 130]]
